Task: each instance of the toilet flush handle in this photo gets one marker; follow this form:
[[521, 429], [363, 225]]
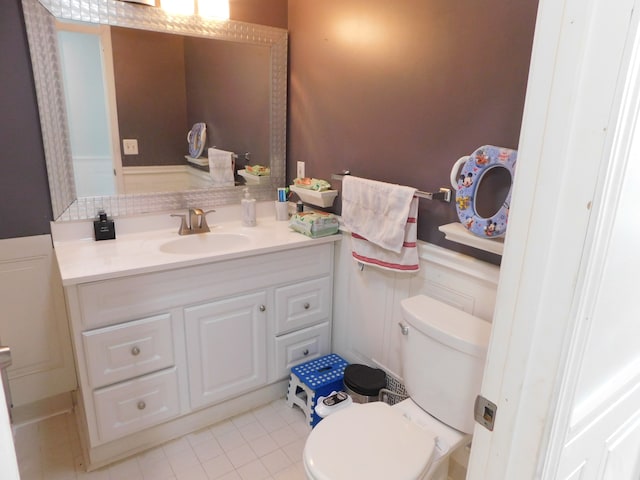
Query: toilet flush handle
[[403, 328]]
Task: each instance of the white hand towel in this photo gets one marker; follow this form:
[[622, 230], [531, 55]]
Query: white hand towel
[[405, 261], [221, 167], [377, 211]]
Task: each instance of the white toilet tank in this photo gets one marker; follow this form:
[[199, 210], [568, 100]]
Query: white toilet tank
[[443, 355]]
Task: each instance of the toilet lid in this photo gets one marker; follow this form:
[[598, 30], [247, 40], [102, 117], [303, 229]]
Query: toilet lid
[[369, 441]]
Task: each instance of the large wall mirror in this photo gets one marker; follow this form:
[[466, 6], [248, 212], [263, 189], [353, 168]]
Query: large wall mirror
[[241, 99]]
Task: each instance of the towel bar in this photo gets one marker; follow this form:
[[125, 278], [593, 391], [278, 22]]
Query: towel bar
[[443, 195]]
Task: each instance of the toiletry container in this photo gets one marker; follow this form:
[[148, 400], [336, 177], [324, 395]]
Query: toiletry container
[[248, 210], [364, 383], [103, 227]]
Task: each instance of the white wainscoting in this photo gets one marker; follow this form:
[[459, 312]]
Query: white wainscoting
[[33, 321], [367, 302], [166, 178]]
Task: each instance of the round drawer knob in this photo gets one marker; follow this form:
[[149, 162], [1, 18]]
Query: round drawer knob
[[135, 351], [306, 306], [141, 405], [262, 308], [306, 352]]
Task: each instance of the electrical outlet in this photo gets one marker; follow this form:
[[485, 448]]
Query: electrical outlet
[[130, 146], [300, 170]]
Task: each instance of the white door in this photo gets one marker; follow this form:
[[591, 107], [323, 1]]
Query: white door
[[563, 365], [87, 72]]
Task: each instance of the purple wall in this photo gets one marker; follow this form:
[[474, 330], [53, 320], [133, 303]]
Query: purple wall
[[393, 91], [25, 205], [397, 91], [262, 12]]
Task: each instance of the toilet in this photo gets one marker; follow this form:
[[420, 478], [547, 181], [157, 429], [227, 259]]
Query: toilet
[[443, 355]]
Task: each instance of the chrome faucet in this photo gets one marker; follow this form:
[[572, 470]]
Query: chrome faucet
[[196, 223]]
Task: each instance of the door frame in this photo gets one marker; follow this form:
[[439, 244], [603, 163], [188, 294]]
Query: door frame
[[564, 187]]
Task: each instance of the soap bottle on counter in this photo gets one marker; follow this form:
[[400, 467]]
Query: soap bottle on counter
[[248, 210]]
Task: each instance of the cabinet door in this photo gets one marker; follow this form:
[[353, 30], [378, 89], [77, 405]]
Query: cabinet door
[[227, 342]]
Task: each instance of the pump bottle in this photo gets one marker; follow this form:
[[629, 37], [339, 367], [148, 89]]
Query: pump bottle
[[248, 210]]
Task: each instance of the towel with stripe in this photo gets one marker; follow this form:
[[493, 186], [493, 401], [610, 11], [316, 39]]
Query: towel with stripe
[[382, 219]]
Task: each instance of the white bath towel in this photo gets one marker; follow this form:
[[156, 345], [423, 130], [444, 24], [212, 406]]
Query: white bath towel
[[382, 219], [221, 167], [377, 211], [406, 260]]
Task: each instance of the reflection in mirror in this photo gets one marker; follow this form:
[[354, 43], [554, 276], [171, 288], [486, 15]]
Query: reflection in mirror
[[85, 82], [157, 86], [228, 104]]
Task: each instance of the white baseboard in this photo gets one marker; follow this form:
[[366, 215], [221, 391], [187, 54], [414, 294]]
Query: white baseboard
[[45, 408]]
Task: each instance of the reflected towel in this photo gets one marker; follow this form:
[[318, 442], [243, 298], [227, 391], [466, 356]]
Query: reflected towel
[[221, 167], [377, 211], [404, 261]]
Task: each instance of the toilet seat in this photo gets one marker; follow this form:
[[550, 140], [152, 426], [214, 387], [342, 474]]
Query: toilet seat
[[372, 441]]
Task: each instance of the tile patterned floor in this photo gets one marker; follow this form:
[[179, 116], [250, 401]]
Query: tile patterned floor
[[264, 444]]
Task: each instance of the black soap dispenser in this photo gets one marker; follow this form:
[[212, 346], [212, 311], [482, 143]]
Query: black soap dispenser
[[104, 228]]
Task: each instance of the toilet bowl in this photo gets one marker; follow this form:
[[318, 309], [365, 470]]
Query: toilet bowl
[[399, 442], [443, 353]]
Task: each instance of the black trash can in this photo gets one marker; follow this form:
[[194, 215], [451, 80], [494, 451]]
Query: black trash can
[[364, 383]]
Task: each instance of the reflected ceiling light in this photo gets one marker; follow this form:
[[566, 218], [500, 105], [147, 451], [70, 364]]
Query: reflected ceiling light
[[180, 7], [214, 9], [205, 8]]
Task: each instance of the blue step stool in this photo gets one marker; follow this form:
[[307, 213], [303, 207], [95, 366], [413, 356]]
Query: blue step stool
[[313, 379]]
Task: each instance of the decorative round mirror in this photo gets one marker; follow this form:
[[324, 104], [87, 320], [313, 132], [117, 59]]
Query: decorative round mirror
[[483, 190]]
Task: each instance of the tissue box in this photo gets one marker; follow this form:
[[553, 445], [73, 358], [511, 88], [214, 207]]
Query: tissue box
[[314, 224]]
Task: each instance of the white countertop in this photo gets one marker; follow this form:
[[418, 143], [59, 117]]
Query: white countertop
[[82, 259]]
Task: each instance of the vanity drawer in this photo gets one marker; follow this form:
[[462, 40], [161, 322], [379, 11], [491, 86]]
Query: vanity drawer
[[131, 406], [128, 350], [301, 346], [302, 304]]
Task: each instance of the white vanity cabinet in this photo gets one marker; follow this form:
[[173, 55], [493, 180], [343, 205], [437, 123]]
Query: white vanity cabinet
[[163, 353]]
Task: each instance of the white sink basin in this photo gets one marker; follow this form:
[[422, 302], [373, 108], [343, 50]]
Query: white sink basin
[[205, 242]]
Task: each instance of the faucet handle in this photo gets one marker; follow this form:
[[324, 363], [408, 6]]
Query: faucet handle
[[204, 227], [195, 219], [184, 228]]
